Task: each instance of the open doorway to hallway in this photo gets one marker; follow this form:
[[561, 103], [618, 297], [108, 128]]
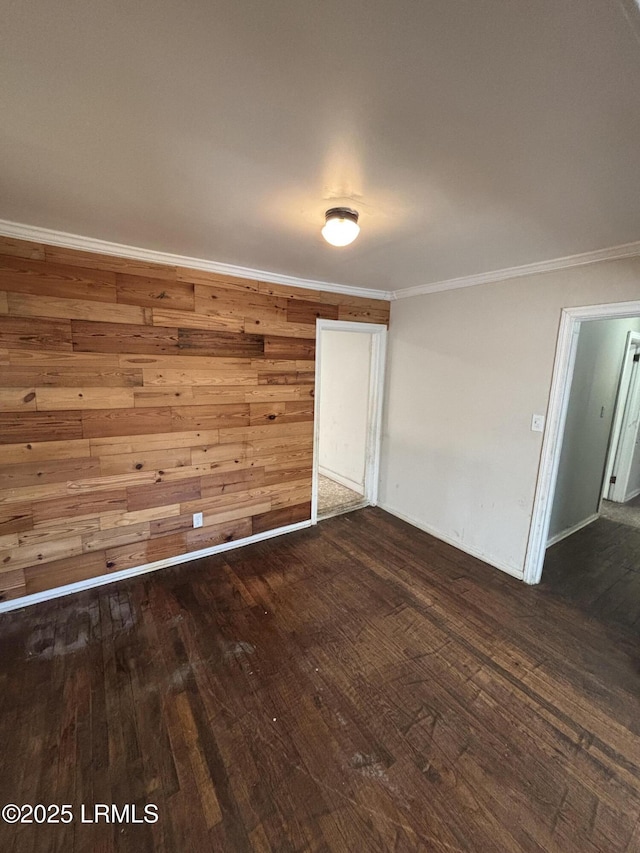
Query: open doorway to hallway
[[601, 428], [349, 384], [594, 531], [571, 323], [621, 487], [592, 558]]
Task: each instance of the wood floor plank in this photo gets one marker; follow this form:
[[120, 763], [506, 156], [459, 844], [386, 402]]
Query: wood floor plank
[[359, 685]]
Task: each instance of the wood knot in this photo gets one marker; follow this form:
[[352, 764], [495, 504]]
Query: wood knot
[[138, 466], [271, 417]]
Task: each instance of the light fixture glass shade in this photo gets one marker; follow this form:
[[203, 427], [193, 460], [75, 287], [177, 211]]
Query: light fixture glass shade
[[341, 226]]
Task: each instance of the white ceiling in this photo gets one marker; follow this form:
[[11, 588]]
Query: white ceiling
[[471, 135]]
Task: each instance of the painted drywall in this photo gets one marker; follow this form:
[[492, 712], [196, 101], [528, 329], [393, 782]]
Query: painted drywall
[[467, 369], [344, 402], [470, 136], [596, 377]]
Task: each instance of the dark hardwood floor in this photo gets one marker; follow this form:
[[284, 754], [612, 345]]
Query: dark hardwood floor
[[356, 687], [597, 572]]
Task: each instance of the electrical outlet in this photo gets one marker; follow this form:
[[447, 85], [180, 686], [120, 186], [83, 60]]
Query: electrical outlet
[[198, 520], [537, 423]]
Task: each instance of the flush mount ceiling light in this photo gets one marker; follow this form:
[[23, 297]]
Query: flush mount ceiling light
[[341, 226]]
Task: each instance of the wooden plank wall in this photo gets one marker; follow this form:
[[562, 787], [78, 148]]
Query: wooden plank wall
[[133, 395]]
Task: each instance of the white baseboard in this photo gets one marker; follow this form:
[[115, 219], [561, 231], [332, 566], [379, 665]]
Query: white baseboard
[[632, 495], [491, 561], [570, 530], [89, 583], [343, 481]]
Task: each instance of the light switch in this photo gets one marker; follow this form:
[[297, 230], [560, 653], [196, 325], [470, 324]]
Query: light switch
[[537, 423]]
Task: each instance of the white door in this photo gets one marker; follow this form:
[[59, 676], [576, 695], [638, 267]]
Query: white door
[[623, 483]]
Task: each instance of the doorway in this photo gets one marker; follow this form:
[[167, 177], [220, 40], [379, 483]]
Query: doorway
[[350, 359], [621, 474], [571, 322]]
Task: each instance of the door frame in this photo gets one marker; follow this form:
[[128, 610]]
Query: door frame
[[377, 364], [570, 322], [609, 490]]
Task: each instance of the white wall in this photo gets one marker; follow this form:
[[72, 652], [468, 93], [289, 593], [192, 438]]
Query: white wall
[[344, 403], [467, 369], [601, 348]]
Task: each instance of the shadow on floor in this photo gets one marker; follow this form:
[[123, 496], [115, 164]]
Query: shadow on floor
[[596, 571]]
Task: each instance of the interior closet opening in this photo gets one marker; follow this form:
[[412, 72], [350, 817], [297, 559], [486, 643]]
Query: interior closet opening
[[348, 408]]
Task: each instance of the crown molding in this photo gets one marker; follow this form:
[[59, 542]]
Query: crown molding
[[627, 250], [50, 237]]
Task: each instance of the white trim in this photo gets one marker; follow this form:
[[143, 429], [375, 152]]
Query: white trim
[[104, 247], [342, 481], [432, 531], [570, 321], [51, 237], [569, 531], [551, 446], [342, 510], [627, 250], [100, 580], [376, 402], [378, 334]]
